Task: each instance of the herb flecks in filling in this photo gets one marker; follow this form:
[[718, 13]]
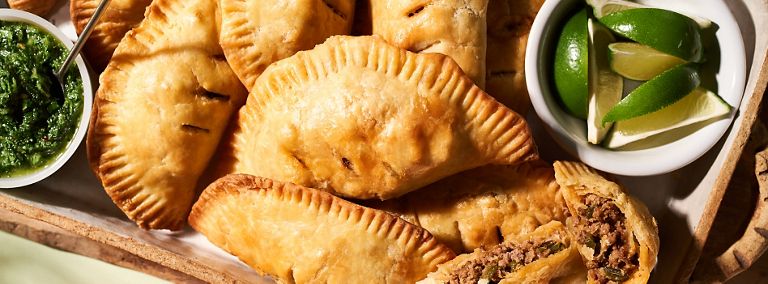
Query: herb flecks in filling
[[36, 120], [601, 226], [503, 259]]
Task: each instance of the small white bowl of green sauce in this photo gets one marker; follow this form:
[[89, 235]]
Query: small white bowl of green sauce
[[40, 128]]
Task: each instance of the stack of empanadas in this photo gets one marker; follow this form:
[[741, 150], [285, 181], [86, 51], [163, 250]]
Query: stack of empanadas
[[307, 115]]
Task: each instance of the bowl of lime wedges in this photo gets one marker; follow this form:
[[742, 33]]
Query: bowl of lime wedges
[[636, 88]]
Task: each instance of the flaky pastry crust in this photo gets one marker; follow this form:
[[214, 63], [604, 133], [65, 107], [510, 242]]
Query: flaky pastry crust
[[256, 33], [509, 22], [363, 119], [450, 27], [120, 17], [483, 206], [302, 235], [38, 7], [164, 101], [562, 267], [578, 180]]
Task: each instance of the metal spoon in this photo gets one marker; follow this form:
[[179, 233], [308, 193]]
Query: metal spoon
[[62, 72]]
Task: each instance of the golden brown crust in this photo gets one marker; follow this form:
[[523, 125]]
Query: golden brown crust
[[483, 206], [453, 28], [256, 33], [363, 119], [564, 263], [578, 180], [163, 103], [509, 22], [38, 7], [120, 17], [301, 235]]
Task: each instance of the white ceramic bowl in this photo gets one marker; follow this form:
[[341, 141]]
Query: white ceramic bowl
[[570, 132], [42, 173]]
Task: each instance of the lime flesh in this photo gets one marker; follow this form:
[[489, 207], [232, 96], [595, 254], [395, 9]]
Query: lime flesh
[[661, 91], [639, 62], [570, 66], [663, 30], [698, 106], [605, 87]]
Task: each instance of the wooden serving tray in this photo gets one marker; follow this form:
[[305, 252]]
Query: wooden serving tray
[[71, 211]]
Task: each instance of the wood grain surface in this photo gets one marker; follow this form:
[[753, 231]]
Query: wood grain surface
[[58, 238]]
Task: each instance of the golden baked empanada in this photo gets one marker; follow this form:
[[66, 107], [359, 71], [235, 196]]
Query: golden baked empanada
[[255, 33], [119, 17], [483, 206], [453, 28], [303, 235], [360, 118], [164, 101], [617, 236], [38, 7], [542, 256], [509, 22]]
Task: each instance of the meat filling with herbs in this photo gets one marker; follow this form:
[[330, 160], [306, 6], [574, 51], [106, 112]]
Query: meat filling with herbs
[[601, 226], [503, 259]]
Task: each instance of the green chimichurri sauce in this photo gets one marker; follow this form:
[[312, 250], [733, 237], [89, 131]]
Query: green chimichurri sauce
[[36, 120]]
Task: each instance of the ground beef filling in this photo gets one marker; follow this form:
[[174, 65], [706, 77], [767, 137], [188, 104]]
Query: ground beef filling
[[601, 226], [503, 259]]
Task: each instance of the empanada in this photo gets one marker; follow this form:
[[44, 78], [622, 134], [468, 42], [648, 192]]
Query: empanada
[[120, 17], [454, 28], [617, 236], [542, 256], [255, 33], [509, 22], [363, 119], [483, 206], [164, 101], [303, 235], [38, 7]]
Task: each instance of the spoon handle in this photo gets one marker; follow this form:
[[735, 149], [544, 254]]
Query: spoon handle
[[82, 39]]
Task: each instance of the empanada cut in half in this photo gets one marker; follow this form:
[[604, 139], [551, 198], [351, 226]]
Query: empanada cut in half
[[509, 22], [119, 17], [483, 206], [302, 235], [450, 27], [541, 256], [617, 236], [255, 33], [165, 99], [363, 119]]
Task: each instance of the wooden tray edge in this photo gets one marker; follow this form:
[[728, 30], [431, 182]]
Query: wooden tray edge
[[112, 241], [702, 230]]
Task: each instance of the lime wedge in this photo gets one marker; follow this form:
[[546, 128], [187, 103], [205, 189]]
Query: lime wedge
[[639, 62], [605, 87], [661, 91], [571, 65], [663, 30], [605, 7], [698, 106]]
